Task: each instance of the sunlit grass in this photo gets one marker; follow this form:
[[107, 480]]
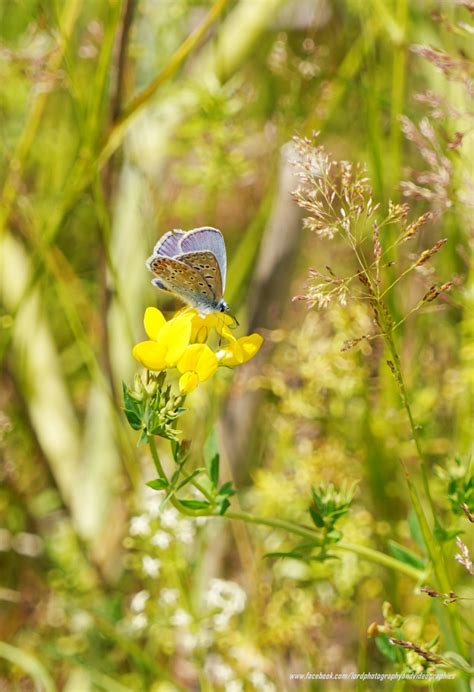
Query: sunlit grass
[[121, 120]]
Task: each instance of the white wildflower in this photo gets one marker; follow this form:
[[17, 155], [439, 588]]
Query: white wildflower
[[217, 669], [188, 641], [138, 622], [161, 539], [185, 531], [169, 596], [221, 620], [181, 618], [169, 518], [228, 597], [234, 686], [151, 566], [260, 681], [81, 621], [140, 525], [139, 600], [153, 499]]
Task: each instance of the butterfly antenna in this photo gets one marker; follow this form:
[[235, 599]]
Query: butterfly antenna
[[236, 321]]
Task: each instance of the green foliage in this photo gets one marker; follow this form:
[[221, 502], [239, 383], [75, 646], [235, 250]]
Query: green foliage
[[329, 505], [461, 488], [405, 555], [106, 549], [152, 408]]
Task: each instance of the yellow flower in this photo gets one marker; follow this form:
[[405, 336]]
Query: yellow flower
[[180, 343], [239, 351], [202, 325], [197, 364], [167, 340]]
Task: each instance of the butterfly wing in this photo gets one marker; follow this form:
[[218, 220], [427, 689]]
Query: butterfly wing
[[208, 267], [168, 244], [206, 239], [183, 280]]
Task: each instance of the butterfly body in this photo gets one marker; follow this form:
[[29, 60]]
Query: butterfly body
[[192, 265]]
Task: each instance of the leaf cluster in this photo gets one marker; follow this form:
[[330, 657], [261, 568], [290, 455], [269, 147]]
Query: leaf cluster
[[152, 408]]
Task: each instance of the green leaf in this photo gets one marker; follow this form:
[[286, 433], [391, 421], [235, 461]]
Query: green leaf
[[30, 665], [443, 535], [408, 557], [213, 470], [133, 408], [415, 530], [157, 484], [195, 504], [458, 662], [143, 439], [133, 418], [322, 557], [316, 517], [292, 554], [210, 446], [334, 536], [227, 489], [211, 458], [189, 478], [388, 650], [224, 505]]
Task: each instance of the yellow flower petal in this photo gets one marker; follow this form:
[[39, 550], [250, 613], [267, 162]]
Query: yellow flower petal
[[199, 335], [251, 345], [198, 358], [188, 382], [222, 324], [240, 351], [174, 336], [153, 322], [203, 324], [150, 354], [207, 364]]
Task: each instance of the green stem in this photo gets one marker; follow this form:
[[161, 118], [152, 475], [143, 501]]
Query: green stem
[[302, 531], [406, 403], [162, 474], [156, 458], [361, 550], [117, 132], [434, 551], [202, 490]]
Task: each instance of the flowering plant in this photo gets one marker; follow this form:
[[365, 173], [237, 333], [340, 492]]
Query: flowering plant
[[181, 343], [153, 405]]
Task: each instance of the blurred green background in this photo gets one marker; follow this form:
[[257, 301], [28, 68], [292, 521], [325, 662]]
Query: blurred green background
[[121, 120]]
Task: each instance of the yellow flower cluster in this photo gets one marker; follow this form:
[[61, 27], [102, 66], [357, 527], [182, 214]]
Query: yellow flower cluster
[[181, 343]]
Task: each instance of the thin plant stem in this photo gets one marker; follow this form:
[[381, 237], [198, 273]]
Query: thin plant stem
[[361, 550], [406, 403], [285, 525], [156, 458], [434, 551], [117, 132]]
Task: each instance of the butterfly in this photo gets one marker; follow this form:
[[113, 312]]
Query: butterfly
[[192, 265]]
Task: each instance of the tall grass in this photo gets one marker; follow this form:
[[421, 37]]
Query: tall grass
[[122, 120]]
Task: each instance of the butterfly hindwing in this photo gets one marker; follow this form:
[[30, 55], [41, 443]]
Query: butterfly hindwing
[[206, 264], [182, 279], [206, 239]]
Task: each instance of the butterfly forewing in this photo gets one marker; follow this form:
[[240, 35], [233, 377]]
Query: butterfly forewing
[[169, 244], [183, 280], [208, 267], [206, 239]]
